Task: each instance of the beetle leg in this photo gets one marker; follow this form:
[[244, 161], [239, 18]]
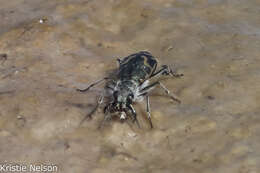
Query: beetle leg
[[107, 115], [159, 72], [148, 110], [169, 93], [107, 108], [147, 89], [166, 70], [119, 61], [93, 84], [150, 87], [89, 116], [106, 118], [133, 113], [169, 71]]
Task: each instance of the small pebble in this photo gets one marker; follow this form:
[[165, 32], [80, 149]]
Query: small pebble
[[210, 97]]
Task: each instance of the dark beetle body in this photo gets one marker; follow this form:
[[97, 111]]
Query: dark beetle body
[[131, 84], [138, 67], [134, 70]]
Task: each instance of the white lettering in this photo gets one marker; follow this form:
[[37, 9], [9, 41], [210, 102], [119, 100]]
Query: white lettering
[[2, 168], [43, 168], [34, 168], [14, 167]]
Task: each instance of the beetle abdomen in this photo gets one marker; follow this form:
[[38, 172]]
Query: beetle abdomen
[[138, 67]]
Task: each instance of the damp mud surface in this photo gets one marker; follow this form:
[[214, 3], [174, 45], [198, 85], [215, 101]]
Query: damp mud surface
[[48, 48]]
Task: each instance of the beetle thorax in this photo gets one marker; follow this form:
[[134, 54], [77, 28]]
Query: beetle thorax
[[123, 94]]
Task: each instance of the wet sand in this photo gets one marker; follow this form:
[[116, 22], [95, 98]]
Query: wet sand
[[48, 48]]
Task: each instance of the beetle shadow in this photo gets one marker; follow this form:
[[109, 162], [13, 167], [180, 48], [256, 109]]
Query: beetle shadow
[[79, 105]]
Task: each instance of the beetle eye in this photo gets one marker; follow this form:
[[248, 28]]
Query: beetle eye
[[130, 96], [115, 94]]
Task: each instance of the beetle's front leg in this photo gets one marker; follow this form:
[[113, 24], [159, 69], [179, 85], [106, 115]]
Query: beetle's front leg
[[107, 115], [106, 118], [133, 113], [100, 101]]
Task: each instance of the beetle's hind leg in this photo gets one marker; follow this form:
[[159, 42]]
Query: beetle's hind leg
[[152, 86], [148, 111], [166, 70], [169, 93], [93, 84]]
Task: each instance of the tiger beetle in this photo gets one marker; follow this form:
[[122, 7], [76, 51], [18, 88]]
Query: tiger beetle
[[131, 83]]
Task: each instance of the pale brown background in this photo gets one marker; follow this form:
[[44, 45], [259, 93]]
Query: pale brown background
[[215, 43]]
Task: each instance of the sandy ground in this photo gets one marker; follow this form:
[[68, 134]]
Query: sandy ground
[[50, 47]]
